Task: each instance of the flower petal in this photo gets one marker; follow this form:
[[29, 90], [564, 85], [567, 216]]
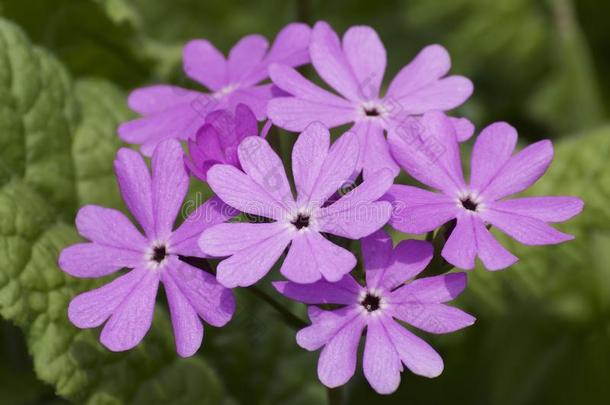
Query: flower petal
[[464, 128], [325, 325], [109, 227], [330, 62], [293, 82], [308, 156], [178, 122], [290, 48], [366, 55], [461, 247], [356, 214], [311, 256], [160, 97], [255, 97], [427, 149], [433, 318], [214, 303], [417, 355], [370, 190], [92, 308], [409, 258], [135, 185], [185, 240], [204, 152], [338, 166], [245, 122], [520, 171], [493, 255], [491, 151], [131, 320], [376, 254], [266, 169], [238, 190], [344, 291], [438, 125], [300, 265], [547, 209], [431, 290], [249, 265], [169, 186], [381, 363], [415, 210], [337, 362], [357, 222], [430, 64], [374, 149], [230, 238], [527, 230], [442, 95], [220, 124], [295, 114], [205, 64], [188, 330], [245, 56], [90, 260]]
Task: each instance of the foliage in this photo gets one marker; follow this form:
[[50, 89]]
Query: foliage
[[543, 334]]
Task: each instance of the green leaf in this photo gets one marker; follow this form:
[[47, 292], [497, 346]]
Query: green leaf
[[95, 141], [58, 143], [265, 366], [569, 98], [91, 37], [18, 383]]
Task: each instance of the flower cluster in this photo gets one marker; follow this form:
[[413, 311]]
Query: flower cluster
[[258, 218]]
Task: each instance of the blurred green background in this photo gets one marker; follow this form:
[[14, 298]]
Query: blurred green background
[[543, 330]]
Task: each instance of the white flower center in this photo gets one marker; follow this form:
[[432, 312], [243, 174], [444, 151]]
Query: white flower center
[[372, 302], [157, 254], [469, 201], [372, 110], [302, 220], [226, 90]]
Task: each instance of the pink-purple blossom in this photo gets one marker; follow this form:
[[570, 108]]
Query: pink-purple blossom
[[428, 150], [217, 140], [391, 294], [175, 112], [125, 306], [308, 227], [263, 190], [354, 68]]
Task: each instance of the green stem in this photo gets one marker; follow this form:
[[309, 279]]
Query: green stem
[[287, 316], [334, 395], [304, 11], [438, 265]]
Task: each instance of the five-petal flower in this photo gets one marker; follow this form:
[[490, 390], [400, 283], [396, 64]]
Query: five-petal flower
[[174, 112], [126, 304], [388, 296], [263, 190], [355, 69], [217, 140], [248, 176], [428, 150]]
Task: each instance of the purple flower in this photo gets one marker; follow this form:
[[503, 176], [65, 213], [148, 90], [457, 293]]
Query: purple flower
[[387, 297], [428, 151], [355, 69], [263, 190], [175, 112], [126, 305], [217, 140]]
